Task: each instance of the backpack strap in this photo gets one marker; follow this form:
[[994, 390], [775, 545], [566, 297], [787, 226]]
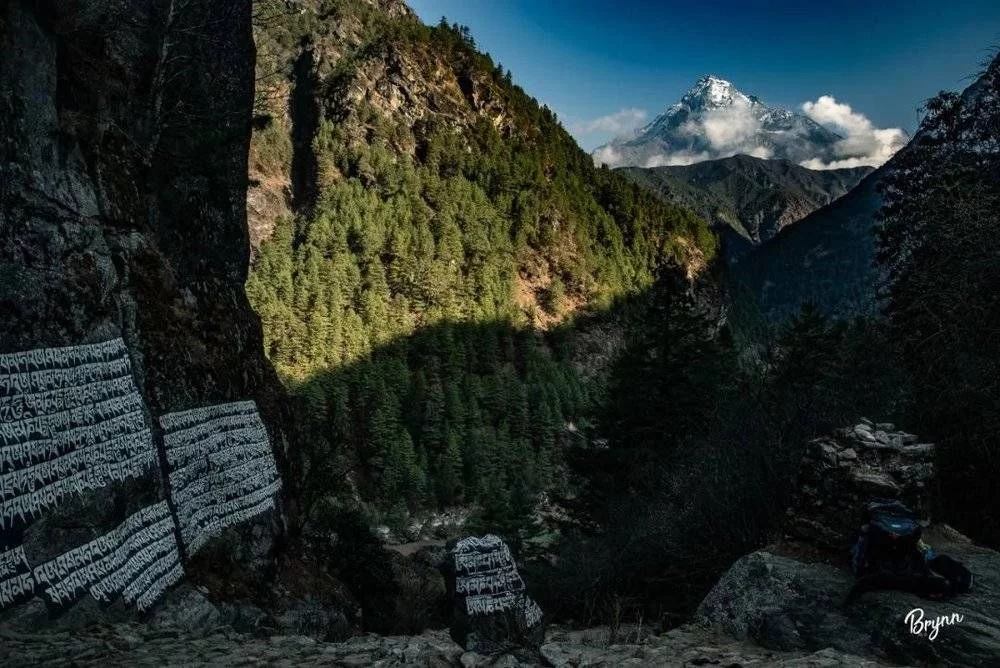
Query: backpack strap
[[926, 550], [859, 552]]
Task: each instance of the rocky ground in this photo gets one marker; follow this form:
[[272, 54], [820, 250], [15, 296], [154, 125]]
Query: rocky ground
[[787, 599], [137, 645], [780, 606]]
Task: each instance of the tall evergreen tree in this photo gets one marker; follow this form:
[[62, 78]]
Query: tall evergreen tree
[[938, 241]]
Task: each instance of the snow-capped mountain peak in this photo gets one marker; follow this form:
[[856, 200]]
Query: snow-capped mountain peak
[[711, 92], [714, 119]]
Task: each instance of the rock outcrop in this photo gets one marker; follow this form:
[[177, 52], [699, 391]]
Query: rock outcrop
[[123, 255], [413, 86], [791, 595], [841, 473], [782, 601]]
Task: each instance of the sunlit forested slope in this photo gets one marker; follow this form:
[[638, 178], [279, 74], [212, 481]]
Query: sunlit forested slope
[[424, 226]]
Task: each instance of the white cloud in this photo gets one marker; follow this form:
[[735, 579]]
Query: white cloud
[[737, 129], [762, 152], [678, 158], [732, 128], [681, 158], [728, 131], [846, 163], [607, 155], [862, 143], [621, 122]]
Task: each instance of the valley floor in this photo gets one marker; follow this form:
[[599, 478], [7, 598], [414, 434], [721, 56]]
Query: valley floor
[[136, 645]]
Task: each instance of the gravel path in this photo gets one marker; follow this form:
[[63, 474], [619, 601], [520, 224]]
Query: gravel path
[[135, 645]]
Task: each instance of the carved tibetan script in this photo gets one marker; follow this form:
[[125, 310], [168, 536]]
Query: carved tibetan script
[[486, 575], [71, 420], [136, 560], [221, 468], [16, 582]]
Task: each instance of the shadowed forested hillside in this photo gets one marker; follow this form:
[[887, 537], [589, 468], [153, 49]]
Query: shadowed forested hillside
[[938, 244]]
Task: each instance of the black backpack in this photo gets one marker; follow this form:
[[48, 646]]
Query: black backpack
[[888, 554], [888, 541]]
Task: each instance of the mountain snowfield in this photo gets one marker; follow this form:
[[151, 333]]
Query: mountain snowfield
[[715, 120]]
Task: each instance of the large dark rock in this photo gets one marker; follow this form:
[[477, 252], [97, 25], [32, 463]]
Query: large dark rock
[[188, 610], [420, 599], [791, 603], [122, 209], [492, 614], [124, 130]]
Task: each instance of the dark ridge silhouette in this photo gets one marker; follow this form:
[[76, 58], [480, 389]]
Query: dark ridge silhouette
[[304, 113]]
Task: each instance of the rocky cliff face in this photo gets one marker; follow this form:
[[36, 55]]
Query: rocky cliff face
[[123, 144], [315, 63]]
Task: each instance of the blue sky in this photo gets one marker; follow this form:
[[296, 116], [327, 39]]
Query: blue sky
[[592, 59]]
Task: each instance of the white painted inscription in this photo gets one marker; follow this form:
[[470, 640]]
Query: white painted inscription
[[485, 573], [71, 420], [156, 589], [16, 582], [130, 561], [532, 613], [221, 469], [499, 580]]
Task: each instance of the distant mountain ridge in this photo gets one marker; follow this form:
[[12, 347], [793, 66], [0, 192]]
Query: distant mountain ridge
[[828, 258], [746, 199], [715, 120]]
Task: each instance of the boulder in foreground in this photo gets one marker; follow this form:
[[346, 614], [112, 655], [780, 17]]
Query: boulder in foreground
[[493, 613], [784, 600]]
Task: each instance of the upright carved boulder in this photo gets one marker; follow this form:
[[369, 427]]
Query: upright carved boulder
[[493, 613]]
